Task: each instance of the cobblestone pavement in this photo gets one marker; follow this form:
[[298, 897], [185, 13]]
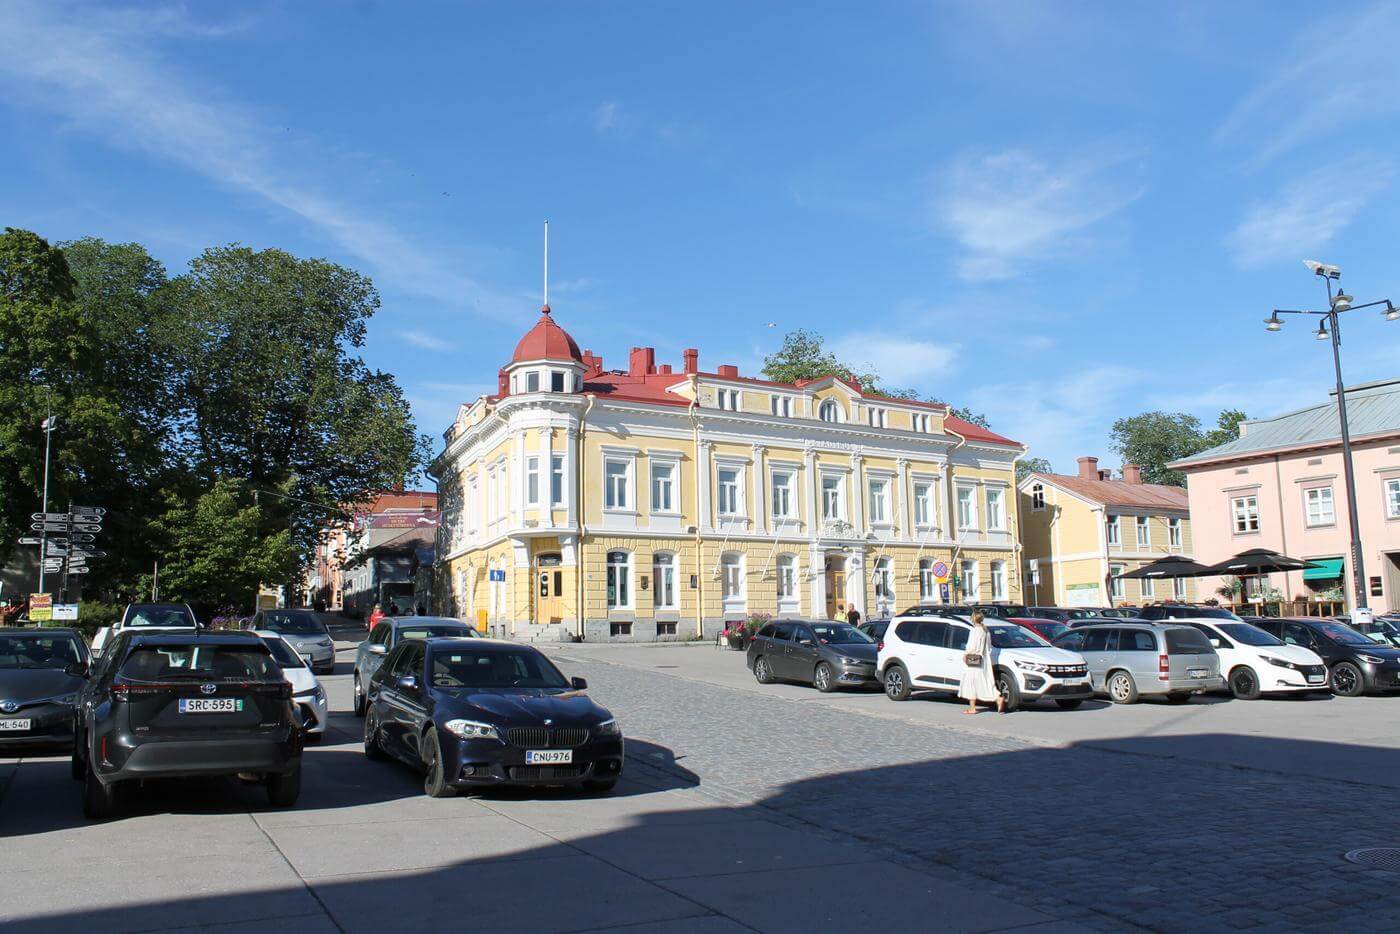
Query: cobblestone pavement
[[1122, 839]]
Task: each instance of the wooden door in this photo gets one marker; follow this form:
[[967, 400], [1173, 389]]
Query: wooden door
[[549, 590], [835, 591]]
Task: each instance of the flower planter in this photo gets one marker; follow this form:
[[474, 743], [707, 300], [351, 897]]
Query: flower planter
[[738, 643]]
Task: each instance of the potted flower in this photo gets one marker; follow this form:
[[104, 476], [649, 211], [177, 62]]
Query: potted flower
[[735, 635]]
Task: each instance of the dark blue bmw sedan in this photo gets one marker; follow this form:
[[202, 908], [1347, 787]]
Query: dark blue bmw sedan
[[473, 713]]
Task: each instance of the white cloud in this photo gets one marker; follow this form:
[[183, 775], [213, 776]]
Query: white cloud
[[426, 341], [101, 71], [1309, 212], [900, 363], [606, 117], [1010, 209]]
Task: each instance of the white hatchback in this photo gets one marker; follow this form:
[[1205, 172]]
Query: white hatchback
[[925, 653], [1254, 662], [307, 692]]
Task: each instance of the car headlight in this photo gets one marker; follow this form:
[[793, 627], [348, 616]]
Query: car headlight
[[847, 660], [1031, 666], [608, 728], [1278, 661], [471, 729], [1371, 659], [69, 699], [320, 694]]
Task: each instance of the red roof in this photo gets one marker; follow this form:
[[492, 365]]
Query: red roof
[[1120, 492], [403, 499], [974, 432], [546, 341]]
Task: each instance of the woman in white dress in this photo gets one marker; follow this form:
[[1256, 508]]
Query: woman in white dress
[[977, 681]]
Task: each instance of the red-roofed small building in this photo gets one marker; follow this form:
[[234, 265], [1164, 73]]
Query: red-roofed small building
[[388, 516], [661, 501]]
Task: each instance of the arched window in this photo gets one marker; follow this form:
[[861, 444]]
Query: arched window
[[787, 583], [731, 568], [830, 411], [619, 580], [663, 572], [884, 587], [926, 582]]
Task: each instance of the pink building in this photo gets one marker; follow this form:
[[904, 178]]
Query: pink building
[[1281, 486]]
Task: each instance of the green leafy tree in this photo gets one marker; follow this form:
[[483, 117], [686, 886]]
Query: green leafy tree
[[1029, 465], [1152, 440]]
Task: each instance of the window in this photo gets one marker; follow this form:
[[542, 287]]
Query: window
[[923, 504], [833, 505], [532, 381], [1115, 535], [619, 580], [884, 586], [731, 572], [996, 513], [1319, 505], [556, 381], [876, 417], [729, 502], [1179, 588], [787, 579], [782, 405], [1115, 587], [728, 399], [879, 502], [919, 422], [1245, 510], [1144, 532], [968, 572], [830, 411], [663, 572], [998, 580], [1037, 497], [1174, 533], [1149, 588], [556, 479], [1392, 499], [532, 481], [663, 487], [615, 485], [782, 494], [967, 508], [926, 582], [666, 627]]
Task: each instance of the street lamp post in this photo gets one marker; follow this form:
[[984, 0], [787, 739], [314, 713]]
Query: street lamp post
[[1330, 326]]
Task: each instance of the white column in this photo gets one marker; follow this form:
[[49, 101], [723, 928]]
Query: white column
[[817, 563], [570, 477], [760, 489], [702, 488], [906, 511], [546, 477], [858, 495], [516, 469], [814, 516]]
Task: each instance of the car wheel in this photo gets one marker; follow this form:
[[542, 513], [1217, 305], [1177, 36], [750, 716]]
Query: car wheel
[[435, 780], [897, 682], [823, 679], [283, 790], [1178, 698], [1244, 683], [1008, 689], [762, 671], [1347, 680], [600, 785], [373, 751], [1121, 688], [1070, 703], [359, 696], [99, 800]]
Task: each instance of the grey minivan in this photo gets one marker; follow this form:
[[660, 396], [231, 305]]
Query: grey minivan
[[1136, 659]]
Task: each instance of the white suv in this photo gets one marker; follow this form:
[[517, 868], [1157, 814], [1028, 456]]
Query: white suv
[[1254, 662], [926, 654]]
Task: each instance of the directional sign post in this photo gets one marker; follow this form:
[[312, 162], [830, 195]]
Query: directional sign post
[[49, 526], [86, 527], [30, 540]]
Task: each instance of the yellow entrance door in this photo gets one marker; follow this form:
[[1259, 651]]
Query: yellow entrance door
[[835, 590], [549, 590]]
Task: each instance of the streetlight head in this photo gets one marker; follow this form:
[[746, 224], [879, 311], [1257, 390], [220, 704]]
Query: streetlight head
[[1341, 302], [1273, 323], [1323, 269], [1391, 312], [1321, 334]]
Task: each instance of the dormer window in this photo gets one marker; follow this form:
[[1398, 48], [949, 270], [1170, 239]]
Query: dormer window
[[830, 411], [876, 417], [728, 399]]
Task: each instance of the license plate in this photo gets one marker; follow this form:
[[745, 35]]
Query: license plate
[[1198, 672], [211, 704], [14, 726], [549, 756], [1316, 679]]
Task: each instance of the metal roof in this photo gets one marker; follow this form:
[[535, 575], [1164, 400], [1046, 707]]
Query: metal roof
[[1372, 409]]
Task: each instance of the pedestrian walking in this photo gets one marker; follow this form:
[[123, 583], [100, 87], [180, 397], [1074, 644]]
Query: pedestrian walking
[[853, 616], [977, 681], [375, 616]]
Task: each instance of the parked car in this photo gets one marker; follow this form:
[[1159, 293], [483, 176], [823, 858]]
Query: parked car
[[1047, 629], [41, 675], [305, 631], [307, 691], [478, 712], [998, 610], [388, 634], [1254, 662], [147, 617], [1128, 660], [1084, 621], [1184, 611], [825, 655], [1356, 663], [927, 655], [172, 706], [1062, 614], [874, 628], [1120, 612], [1382, 629]]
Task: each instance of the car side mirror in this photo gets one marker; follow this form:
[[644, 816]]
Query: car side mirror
[[408, 683], [579, 684], [376, 649], [807, 642], [76, 670]]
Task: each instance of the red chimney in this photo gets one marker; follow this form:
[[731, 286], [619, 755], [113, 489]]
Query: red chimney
[[692, 360], [641, 361], [729, 370], [665, 369], [502, 383], [1089, 468], [593, 363], [1132, 473]]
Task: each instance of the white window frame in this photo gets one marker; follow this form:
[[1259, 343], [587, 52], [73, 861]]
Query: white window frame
[[1142, 532], [1310, 500], [733, 505], [1113, 530], [927, 585], [997, 522], [878, 500], [1244, 511], [1179, 588], [1174, 538], [882, 583], [919, 422], [1115, 583], [967, 569], [1391, 490], [832, 406], [532, 480], [532, 376], [781, 405], [924, 511], [663, 478], [965, 495], [788, 598], [619, 580], [997, 576], [618, 498], [663, 580], [833, 499], [787, 488], [731, 400], [1148, 588], [875, 416], [732, 584]]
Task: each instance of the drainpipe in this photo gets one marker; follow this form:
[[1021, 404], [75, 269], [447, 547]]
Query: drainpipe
[[699, 541], [581, 463], [1016, 541], [952, 516]]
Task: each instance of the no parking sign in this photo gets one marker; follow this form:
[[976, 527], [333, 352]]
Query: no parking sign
[[940, 572]]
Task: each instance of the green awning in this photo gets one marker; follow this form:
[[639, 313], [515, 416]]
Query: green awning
[[1328, 569]]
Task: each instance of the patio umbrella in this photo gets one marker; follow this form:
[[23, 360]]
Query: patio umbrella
[[1169, 567], [1259, 561]]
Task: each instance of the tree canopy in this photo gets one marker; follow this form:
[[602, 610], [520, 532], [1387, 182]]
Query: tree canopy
[[1152, 440]]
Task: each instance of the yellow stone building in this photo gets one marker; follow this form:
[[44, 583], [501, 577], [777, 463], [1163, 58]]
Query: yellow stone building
[[1080, 532], [687, 499]]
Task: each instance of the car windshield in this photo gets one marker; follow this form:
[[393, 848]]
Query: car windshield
[[1248, 635], [1343, 635], [840, 634], [1379, 631], [465, 668], [436, 632], [283, 653], [1015, 637], [173, 615], [302, 624], [1006, 612], [202, 662], [24, 650], [1049, 629]]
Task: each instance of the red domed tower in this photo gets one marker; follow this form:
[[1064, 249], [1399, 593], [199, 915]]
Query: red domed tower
[[546, 360]]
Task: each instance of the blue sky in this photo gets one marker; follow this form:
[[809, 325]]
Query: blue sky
[[1058, 214]]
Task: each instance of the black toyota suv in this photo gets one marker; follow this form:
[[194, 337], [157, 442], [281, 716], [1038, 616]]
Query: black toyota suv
[[170, 705]]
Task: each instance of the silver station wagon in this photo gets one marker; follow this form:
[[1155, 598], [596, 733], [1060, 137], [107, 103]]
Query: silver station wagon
[[1130, 660]]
